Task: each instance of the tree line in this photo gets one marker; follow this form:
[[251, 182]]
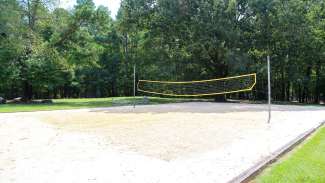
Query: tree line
[[50, 52]]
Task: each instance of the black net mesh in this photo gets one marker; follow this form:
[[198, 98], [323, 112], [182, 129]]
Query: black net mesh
[[199, 88]]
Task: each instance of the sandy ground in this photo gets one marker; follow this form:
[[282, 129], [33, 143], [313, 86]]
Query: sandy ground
[[183, 143]]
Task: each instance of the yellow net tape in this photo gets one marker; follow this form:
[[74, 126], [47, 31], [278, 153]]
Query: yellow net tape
[[209, 87]]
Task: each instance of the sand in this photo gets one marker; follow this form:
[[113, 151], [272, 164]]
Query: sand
[[185, 142]]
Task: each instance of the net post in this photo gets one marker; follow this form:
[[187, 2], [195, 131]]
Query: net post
[[269, 88], [134, 86]]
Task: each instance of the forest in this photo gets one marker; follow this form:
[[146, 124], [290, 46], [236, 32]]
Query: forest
[[49, 52]]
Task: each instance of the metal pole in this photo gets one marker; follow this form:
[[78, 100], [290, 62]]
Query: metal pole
[[134, 86], [269, 87]]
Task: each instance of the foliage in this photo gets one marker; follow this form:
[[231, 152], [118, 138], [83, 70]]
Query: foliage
[[306, 164], [50, 52]]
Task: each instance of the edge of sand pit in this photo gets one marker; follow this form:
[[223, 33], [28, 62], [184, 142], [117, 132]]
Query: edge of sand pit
[[97, 108], [252, 172]]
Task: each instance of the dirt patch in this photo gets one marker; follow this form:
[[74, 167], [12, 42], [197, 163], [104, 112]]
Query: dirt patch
[[160, 135]]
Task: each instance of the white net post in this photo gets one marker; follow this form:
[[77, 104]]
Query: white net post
[[134, 88], [269, 88]]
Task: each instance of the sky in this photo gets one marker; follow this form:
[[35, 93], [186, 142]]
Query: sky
[[113, 5]]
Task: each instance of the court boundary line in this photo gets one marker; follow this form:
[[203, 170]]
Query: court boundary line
[[251, 173]]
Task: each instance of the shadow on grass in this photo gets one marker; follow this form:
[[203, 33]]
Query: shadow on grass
[[63, 104]]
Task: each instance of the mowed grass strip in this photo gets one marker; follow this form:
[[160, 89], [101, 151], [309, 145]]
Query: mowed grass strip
[[63, 104], [306, 163]]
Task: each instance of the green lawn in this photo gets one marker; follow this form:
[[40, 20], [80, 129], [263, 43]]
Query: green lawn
[[59, 104], [306, 164]]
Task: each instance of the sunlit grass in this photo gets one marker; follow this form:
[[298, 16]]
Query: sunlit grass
[[61, 104], [305, 164]]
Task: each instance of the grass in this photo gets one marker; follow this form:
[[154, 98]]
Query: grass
[[61, 104], [305, 164]]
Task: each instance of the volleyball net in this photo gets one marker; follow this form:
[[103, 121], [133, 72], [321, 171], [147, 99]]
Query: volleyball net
[[210, 87]]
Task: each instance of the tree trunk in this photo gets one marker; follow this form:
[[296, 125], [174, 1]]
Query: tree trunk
[[220, 98], [288, 97], [306, 85], [317, 86], [283, 85], [221, 71], [27, 91], [299, 93]]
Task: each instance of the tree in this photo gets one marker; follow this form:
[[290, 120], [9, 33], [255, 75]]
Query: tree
[[50, 52]]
